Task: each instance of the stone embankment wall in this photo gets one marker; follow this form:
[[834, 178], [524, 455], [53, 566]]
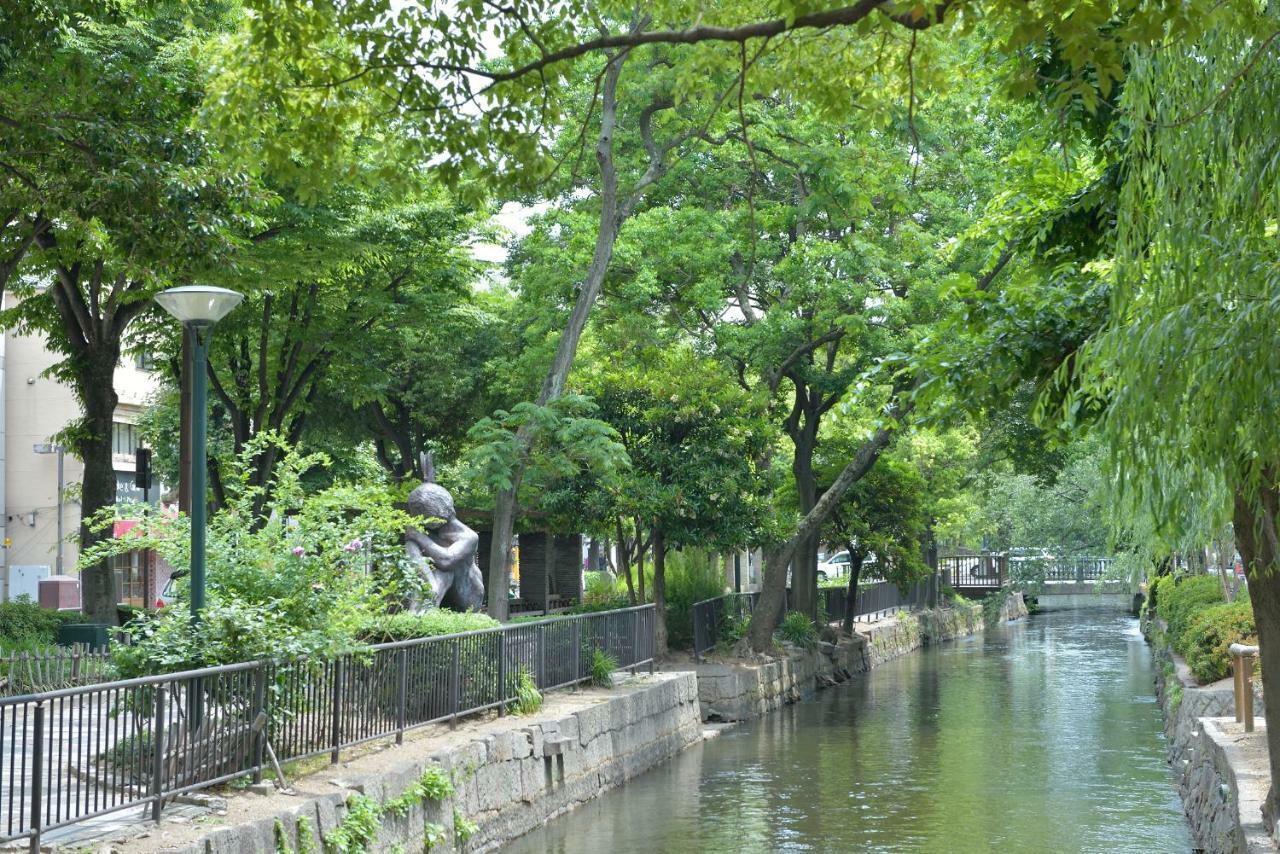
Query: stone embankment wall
[[1220, 771], [737, 691], [506, 781]]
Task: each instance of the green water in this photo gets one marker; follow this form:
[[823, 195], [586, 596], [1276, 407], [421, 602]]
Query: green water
[[1041, 736]]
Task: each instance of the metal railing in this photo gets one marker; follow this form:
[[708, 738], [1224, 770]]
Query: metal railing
[[718, 619], [876, 599], [72, 754], [714, 619], [974, 570], [1077, 569]]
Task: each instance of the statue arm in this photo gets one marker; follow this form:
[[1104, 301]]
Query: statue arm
[[443, 556]]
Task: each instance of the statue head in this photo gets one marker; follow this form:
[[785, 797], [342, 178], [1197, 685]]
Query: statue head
[[430, 500]]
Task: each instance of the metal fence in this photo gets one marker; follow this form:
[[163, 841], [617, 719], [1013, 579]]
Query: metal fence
[[721, 619], [72, 754]]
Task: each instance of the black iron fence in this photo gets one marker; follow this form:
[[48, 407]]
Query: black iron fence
[[720, 619], [72, 754], [723, 618], [876, 599]]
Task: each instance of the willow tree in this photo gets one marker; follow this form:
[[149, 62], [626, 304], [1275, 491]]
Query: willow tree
[[1189, 363]]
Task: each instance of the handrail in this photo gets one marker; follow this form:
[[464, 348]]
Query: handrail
[[145, 739]]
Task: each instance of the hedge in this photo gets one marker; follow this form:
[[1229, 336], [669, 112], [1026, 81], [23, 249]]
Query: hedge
[[407, 626], [1202, 626], [1208, 639]]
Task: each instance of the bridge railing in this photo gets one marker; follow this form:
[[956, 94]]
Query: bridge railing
[[1078, 569], [986, 570]]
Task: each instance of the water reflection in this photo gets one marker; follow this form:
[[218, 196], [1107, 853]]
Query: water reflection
[[1041, 737]]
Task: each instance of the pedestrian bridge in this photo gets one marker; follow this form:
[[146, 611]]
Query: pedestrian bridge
[[1062, 584]]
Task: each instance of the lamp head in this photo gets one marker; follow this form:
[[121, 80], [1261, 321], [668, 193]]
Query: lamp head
[[199, 305]]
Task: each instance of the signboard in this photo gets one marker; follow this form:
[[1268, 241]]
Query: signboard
[[127, 490]]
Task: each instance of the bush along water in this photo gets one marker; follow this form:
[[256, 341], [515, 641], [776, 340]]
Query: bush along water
[[1201, 626]]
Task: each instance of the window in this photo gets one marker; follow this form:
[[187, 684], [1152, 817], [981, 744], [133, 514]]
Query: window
[[124, 438], [129, 577], [144, 361]]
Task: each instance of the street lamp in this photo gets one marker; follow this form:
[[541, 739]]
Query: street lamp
[[49, 448], [198, 307]]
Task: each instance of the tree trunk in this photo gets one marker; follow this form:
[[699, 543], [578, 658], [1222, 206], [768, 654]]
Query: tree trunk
[[804, 566], [548, 569], [504, 511], [773, 595], [98, 488], [504, 524], [851, 599], [1256, 536], [624, 561], [640, 550], [660, 591]]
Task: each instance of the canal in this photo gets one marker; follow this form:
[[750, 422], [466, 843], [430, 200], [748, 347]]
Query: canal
[[1039, 736]]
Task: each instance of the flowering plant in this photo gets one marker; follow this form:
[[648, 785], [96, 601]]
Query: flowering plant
[[303, 575]]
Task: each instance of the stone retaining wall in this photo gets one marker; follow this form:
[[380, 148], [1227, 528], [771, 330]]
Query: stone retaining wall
[[506, 782], [735, 690], [1214, 761]]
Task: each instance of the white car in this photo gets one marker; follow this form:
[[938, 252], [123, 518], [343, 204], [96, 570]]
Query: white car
[[833, 566]]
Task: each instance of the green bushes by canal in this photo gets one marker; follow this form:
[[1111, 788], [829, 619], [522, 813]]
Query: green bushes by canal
[[1201, 624]]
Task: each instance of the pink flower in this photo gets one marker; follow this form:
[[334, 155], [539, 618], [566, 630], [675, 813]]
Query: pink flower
[[299, 551], [354, 545]]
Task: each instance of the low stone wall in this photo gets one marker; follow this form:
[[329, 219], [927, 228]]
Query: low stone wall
[[1215, 763], [515, 774], [735, 690], [1223, 789]]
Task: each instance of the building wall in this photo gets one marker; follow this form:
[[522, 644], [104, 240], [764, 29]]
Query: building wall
[[35, 408]]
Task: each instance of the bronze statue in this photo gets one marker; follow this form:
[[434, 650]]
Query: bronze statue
[[450, 546]]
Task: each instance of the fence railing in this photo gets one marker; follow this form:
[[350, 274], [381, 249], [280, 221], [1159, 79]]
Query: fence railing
[[714, 619], [974, 570], [51, 668], [75, 753], [878, 598], [1077, 569], [718, 619]]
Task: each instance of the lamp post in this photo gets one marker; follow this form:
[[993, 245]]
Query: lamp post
[[49, 448], [198, 307]]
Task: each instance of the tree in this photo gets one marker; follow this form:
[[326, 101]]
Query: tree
[[883, 516], [107, 196], [695, 441], [1186, 362]]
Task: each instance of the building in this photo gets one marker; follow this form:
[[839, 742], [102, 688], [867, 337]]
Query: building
[[33, 409]]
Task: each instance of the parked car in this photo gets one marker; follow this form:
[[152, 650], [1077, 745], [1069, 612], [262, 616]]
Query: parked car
[[837, 566], [833, 566]]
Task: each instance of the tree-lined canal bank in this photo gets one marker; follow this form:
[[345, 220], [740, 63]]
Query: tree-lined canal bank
[[1041, 735]]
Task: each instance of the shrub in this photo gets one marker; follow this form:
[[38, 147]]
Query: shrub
[[25, 625], [799, 630], [1207, 640], [289, 573], [1188, 597], [602, 666], [598, 587], [691, 577], [383, 628]]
